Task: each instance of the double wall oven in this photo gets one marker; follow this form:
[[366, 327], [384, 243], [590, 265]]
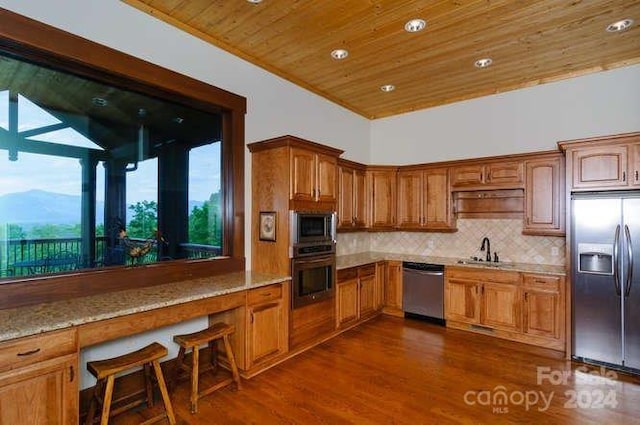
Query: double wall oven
[[313, 256]]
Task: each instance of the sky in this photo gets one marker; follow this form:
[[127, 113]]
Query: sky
[[63, 175]]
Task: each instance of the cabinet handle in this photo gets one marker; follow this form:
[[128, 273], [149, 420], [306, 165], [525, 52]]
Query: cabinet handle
[[251, 318], [29, 353], [72, 373], [313, 194], [526, 296], [268, 294], [482, 289], [318, 193], [636, 175], [624, 176]]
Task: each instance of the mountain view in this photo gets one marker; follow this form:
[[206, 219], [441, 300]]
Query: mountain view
[[39, 207]]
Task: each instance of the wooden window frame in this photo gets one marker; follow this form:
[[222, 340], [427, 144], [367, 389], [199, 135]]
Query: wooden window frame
[[34, 41]]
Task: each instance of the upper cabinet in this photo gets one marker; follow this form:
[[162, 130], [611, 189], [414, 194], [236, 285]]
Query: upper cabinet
[[303, 171], [544, 195], [313, 175], [492, 175], [381, 190], [352, 199], [606, 163], [424, 199]]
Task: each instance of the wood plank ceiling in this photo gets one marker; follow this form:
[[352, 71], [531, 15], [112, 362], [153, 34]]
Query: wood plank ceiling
[[530, 42]]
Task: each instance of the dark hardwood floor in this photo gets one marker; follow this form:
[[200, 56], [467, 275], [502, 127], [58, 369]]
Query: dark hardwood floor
[[402, 371]]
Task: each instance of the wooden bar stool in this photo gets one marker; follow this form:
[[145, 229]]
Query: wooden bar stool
[[193, 341], [106, 370]]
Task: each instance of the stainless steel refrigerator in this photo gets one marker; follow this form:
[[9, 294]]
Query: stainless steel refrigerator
[[605, 253]]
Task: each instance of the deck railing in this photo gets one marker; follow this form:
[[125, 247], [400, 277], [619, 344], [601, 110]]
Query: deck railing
[[22, 257]]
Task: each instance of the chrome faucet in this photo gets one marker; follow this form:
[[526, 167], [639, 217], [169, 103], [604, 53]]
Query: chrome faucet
[[486, 239]]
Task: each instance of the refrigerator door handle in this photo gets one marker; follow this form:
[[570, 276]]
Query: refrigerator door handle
[[616, 265], [627, 286]]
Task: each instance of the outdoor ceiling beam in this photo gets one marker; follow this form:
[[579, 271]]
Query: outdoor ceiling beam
[[42, 130]]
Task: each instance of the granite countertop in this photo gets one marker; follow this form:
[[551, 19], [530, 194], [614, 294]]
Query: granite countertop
[[354, 260], [35, 319]]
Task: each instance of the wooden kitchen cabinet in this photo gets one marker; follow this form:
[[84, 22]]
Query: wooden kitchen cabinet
[[356, 294], [267, 324], [491, 175], [381, 277], [462, 300], [544, 195], [500, 306], [352, 199], [393, 289], [603, 163], [523, 307], [313, 176], [347, 306], [381, 184], [38, 379], [543, 301], [424, 200]]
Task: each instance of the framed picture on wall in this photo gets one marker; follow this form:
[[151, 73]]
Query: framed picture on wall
[[268, 226]]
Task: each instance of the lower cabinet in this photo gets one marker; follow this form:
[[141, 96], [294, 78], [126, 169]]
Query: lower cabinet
[[393, 289], [357, 294], [267, 327], [39, 379], [519, 306], [543, 306]]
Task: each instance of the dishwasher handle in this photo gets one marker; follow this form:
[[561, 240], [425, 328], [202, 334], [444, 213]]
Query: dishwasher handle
[[422, 272]]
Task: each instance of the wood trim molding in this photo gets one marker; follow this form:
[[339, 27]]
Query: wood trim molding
[[42, 44], [292, 141]]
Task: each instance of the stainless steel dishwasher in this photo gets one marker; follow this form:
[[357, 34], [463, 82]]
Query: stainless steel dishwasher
[[423, 290]]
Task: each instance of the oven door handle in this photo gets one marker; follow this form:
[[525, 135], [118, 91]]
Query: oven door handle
[[317, 260]]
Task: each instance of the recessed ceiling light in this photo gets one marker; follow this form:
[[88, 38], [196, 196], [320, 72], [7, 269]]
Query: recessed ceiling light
[[339, 54], [98, 101], [178, 120], [483, 63], [415, 25], [620, 25], [387, 88], [255, 1]]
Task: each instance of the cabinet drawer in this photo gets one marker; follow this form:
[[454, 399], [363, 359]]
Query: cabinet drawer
[[482, 275], [368, 270], [33, 349], [542, 282], [347, 274], [267, 293]]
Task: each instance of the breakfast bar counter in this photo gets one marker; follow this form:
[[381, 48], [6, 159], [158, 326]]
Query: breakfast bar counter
[[225, 290]]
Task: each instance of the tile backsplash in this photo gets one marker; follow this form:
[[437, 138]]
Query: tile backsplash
[[505, 235]]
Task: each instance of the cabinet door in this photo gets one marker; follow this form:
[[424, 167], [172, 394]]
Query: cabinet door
[[266, 332], [410, 214], [541, 311], [43, 393], [359, 199], [505, 173], [462, 301], [347, 309], [544, 196], [367, 295], [500, 306], [634, 168], [383, 199], [393, 286], [437, 199], [326, 183], [600, 167], [468, 175], [303, 175], [346, 193]]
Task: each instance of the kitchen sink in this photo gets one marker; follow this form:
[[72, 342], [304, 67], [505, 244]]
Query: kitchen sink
[[498, 265]]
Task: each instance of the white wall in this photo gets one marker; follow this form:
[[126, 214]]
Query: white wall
[[526, 120], [275, 106]]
